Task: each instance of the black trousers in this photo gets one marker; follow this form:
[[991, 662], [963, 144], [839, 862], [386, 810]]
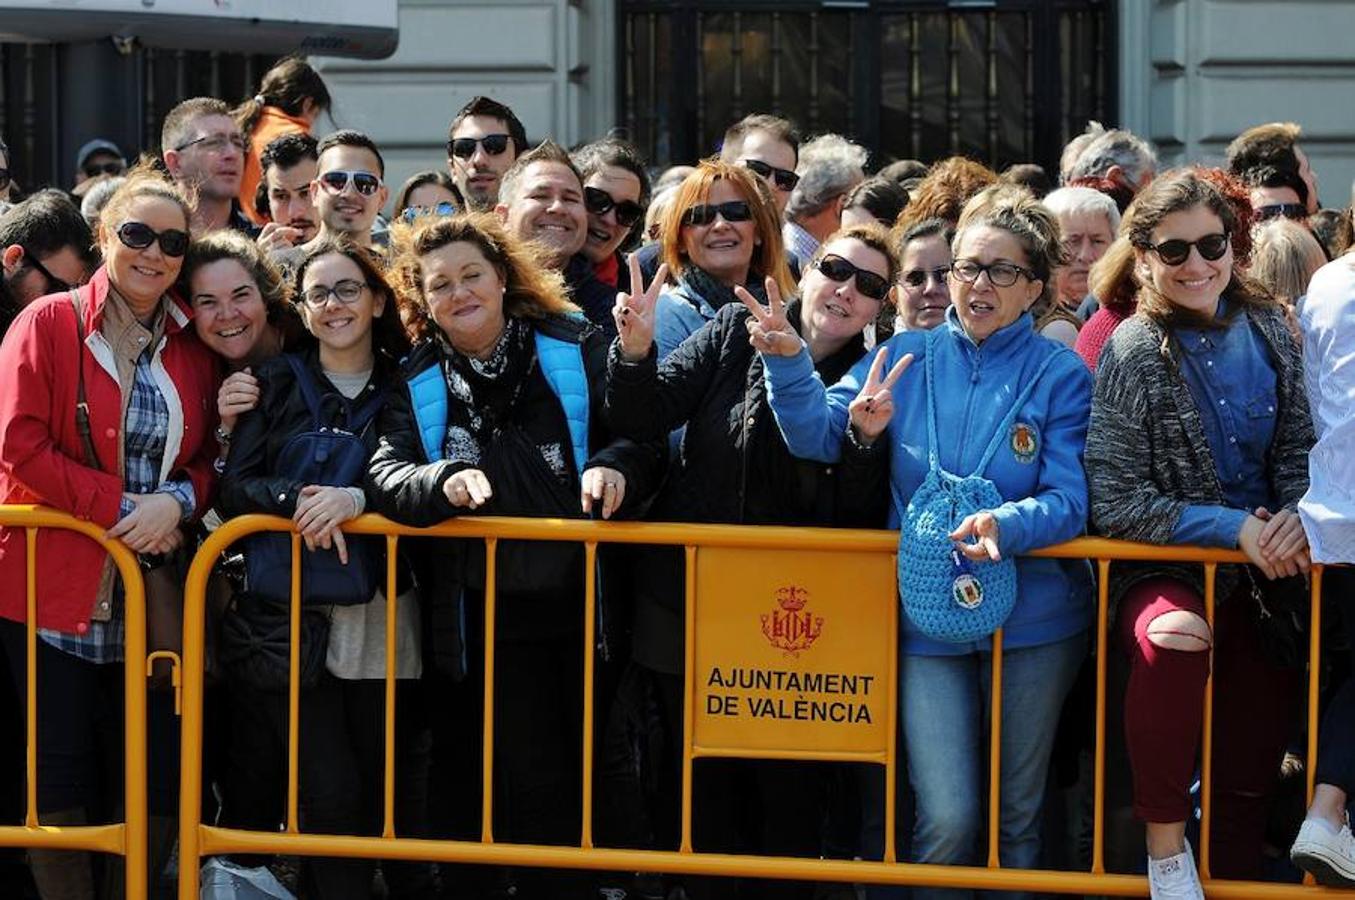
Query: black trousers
[[341, 770], [1336, 752], [80, 732]]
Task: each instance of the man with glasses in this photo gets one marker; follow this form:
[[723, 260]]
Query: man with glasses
[[1277, 192], [204, 151], [45, 247], [830, 166], [542, 201], [483, 142], [348, 192]]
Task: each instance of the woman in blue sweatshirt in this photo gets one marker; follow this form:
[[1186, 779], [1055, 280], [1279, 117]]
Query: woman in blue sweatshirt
[[983, 357]]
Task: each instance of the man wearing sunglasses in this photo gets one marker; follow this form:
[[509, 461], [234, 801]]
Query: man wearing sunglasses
[[830, 166], [1276, 192], [770, 146], [541, 201], [205, 152], [98, 159], [1274, 147], [45, 247], [616, 194], [483, 142]]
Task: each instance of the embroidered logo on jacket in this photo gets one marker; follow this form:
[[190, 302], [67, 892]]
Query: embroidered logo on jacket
[[1025, 442]]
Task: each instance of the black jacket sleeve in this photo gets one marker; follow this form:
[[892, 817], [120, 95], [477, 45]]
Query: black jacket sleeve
[[401, 484], [646, 400], [862, 487], [249, 484], [643, 463]]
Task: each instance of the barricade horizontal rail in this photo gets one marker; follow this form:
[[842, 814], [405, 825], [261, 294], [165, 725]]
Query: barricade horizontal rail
[[126, 838], [698, 541]]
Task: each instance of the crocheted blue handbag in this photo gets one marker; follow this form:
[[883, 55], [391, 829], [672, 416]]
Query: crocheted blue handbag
[[945, 595]]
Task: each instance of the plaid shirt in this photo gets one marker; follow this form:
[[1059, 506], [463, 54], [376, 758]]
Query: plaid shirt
[[143, 437], [799, 242]]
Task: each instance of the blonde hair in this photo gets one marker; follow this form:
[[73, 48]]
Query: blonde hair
[[1285, 254], [531, 288], [144, 180], [769, 258]]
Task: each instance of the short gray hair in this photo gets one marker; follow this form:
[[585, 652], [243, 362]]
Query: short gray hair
[[830, 166], [1076, 201], [1117, 148], [97, 197], [1072, 151]]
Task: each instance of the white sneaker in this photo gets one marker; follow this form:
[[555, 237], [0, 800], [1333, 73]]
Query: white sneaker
[[1328, 854], [1174, 878]]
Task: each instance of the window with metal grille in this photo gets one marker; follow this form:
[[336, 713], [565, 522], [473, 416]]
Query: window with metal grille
[[1003, 81]]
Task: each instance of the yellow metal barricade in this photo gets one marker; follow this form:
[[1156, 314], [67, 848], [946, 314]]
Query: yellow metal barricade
[[126, 838], [756, 603]]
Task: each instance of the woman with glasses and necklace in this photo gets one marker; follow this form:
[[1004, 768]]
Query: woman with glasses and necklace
[[137, 460], [964, 411], [741, 475], [349, 310], [721, 231], [1199, 434]]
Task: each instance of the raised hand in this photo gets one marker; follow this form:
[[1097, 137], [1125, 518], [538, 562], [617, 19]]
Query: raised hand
[[874, 406], [238, 395], [605, 485], [469, 488], [982, 527], [768, 330], [634, 312]]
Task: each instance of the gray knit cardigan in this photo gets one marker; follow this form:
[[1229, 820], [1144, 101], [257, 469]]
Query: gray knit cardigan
[[1147, 455]]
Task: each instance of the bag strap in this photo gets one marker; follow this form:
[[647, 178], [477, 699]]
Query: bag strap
[[81, 404], [933, 445], [306, 384], [354, 421], [1010, 417]]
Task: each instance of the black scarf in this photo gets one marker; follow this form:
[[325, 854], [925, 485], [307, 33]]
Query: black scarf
[[484, 392], [716, 292]]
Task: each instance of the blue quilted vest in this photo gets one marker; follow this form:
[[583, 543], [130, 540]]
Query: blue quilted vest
[[561, 364]]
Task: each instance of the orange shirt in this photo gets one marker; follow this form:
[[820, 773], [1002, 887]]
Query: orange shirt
[[272, 123]]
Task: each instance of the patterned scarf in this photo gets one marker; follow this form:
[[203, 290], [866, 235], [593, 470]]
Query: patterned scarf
[[483, 392]]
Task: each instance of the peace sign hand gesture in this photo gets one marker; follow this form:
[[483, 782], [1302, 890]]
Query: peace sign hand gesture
[[634, 312], [874, 406], [768, 330]]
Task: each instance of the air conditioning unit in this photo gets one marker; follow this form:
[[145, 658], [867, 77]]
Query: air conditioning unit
[[367, 29]]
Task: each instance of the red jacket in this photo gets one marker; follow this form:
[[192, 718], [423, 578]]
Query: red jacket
[[42, 457]]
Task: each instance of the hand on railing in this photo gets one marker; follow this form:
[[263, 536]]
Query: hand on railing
[[1283, 541], [605, 485], [634, 312], [320, 513], [153, 524], [469, 488], [874, 406]]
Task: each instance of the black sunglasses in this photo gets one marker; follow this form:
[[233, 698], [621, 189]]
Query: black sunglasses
[[139, 236], [916, 278], [1288, 210], [94, 170], [785, 179], [705, 213], [464, 148], [54, 285], [599, 202], [1176, 251], [871, 285], [365, 183]]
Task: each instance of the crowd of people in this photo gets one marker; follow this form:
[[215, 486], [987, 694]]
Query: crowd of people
[[984, 362]]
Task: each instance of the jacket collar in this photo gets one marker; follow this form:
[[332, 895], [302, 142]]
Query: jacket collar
[[94, 297], [1000, 342]]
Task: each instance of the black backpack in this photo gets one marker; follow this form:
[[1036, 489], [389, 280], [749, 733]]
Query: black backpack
[[329, 455]]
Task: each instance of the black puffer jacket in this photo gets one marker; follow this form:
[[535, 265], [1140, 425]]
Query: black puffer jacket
[[540, 585], [734, 466]]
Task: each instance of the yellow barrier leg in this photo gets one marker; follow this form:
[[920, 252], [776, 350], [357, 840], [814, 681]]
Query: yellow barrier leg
[[589, 640], [392, 601]]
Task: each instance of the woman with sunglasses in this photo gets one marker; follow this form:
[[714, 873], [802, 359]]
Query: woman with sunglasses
[[1200, 434], [747, 476], [616, 194], [721, 231], [961, 390], [924, 275], [428, 193], [350, 361], [137, 460]]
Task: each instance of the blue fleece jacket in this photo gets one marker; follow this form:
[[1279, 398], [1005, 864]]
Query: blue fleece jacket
[[1038, 468]]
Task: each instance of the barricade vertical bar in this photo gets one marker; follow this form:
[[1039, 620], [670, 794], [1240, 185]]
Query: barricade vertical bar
[[688, 689], [1314, 680], [31, 692], [135, 839], [190, 786], [590, 557], [892, 723], [487, 747], [1099, 778], [294, 689], [1207, 745], [995, 757], [392, 591]]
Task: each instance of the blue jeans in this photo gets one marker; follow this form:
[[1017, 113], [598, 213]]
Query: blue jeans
[[944, 703]]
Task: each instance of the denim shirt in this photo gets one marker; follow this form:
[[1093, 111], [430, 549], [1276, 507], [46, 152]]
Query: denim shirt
[[1232, 379]]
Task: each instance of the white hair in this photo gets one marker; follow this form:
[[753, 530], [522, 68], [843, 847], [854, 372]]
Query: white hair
[[1072, 151], [829, 166], [1076, 201], [1120, 148]]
